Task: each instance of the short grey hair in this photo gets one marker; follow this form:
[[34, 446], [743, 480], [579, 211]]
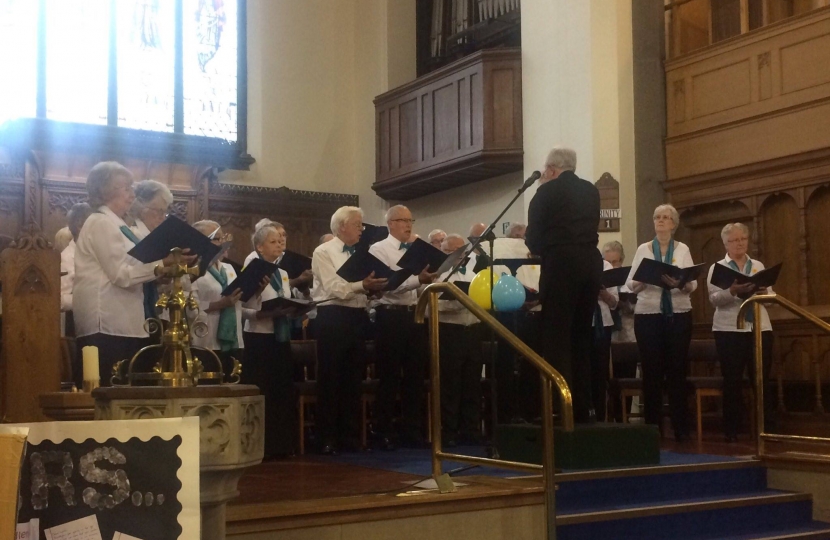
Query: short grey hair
[[453, 236], [99, 182], [324, 239], [76, 217], [561, 157], [145, 192], [435, 232], [675, 216], [206, 226], [511, 230], [614, 246], [342, 215], [265, 222], [729, 227], [393, 211], [62, 239], [261, 235]]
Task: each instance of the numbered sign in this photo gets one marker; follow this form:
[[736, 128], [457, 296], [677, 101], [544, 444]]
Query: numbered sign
[[609, 203]]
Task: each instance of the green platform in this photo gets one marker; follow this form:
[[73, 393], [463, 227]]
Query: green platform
[[591, 446]]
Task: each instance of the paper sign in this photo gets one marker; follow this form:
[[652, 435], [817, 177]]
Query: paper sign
[[80, 529], [122, 536], [28, 531]]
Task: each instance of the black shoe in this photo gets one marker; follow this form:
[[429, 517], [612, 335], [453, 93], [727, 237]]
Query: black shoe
[[381, 442], [350, 445], [328, 450], [449, 443]]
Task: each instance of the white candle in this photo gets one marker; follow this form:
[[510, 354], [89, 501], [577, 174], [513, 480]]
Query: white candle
[[91, 372]]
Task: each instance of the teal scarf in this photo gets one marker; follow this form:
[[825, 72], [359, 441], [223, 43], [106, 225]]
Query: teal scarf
[[750, 315], [282, 326], [226, 333], [151, 294], [666, 307]]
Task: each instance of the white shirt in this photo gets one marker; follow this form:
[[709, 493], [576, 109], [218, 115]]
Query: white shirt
[[108, 297], [626, 333], [140, 229], [68, 266], [325, 262], [727, 306], [604, 308], [389, 252], [264, 326], [210, 290], [648, 298], [529, 275], [452, 311]]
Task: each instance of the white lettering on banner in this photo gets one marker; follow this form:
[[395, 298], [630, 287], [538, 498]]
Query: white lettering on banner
[[610, 213]]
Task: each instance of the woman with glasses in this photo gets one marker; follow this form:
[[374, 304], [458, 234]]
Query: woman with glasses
[[735, 347], [663, 324], [222, 314], [149, 209]]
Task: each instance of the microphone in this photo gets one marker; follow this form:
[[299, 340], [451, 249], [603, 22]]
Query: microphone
[[533, 177]]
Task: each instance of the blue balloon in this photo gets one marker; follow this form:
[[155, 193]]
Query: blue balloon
[[508, 294]]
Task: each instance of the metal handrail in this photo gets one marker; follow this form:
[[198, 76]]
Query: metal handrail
[[755, 303], [549, 376]]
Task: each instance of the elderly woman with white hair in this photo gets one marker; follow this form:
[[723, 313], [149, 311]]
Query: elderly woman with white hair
[[108, 295], [149, 209], [342, 325], [735, 346], [663, 324]]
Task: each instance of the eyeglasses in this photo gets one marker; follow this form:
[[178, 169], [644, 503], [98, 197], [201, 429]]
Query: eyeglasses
[[158, 211], [407, 221], [737, 240]]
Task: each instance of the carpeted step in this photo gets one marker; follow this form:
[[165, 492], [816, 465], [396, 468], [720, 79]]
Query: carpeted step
[[697, 519], [654, 485], [815, 530]]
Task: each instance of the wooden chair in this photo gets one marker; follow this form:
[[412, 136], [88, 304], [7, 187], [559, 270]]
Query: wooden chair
[[304, 354], [489, 350], [368, 390], [623, 388]]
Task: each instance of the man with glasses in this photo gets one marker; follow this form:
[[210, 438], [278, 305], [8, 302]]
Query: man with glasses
[[341, 332], [401, 344]]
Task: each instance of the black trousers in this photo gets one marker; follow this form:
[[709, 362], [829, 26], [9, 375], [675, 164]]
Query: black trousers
[[664, 356], [461, 362], [570, 283], [268, 364], [600, 357], [341, 362], [111, 349], [736, 351], [507, 383], [529, 390], [400, 367]]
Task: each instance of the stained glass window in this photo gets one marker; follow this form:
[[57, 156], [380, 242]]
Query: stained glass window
[[146, 63], [18, 58], [77, 60], [210, 68]]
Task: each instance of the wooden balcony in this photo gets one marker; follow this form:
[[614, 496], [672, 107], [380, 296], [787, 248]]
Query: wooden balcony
[[454, 126]]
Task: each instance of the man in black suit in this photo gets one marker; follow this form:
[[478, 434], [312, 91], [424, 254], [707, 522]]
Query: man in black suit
[[562, 228]]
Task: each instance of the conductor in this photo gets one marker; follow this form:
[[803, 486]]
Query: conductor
[[562, 229]]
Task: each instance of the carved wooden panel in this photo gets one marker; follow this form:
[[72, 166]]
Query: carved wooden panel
[[30, 271], [818, 246], [454, 126], [779, 215]]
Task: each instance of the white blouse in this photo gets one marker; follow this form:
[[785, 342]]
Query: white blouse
[[727, 306], [209, 290], [451, 311], [108, 297], [604, 308], [249, 311], [648, 296], [389, 252], [67, 281]]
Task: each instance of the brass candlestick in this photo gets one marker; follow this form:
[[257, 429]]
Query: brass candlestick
[[177, 366]]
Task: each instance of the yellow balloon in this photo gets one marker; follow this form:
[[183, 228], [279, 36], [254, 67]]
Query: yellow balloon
[[480, 287]]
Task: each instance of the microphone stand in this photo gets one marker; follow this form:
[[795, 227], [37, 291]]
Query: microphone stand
[[490, 236]]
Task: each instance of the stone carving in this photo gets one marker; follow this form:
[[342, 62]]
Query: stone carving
[[30, 239], [250, 429], [65, 201], [214, 431], [179, 209], [144, 412]]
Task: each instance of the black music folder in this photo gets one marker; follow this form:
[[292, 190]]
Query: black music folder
[[249, 278], [463, 285], [616, 277], [362, 263], [371, 235], [300, 306], [652, 272], [175, 233], [723, 277], [294, 264], [422, 254]]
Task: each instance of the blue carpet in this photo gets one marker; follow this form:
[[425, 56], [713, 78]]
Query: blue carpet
[[419, 462]]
